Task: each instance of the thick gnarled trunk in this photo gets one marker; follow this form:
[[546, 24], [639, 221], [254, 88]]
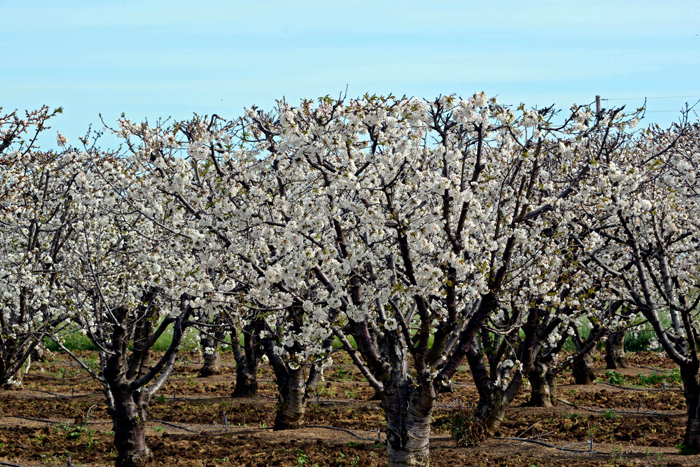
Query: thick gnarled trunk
[[543, 392], [294, 389], [246, 383], [129, 414], [615, 351], [14, 354], [291, 400], [41, 354], [491, 409], [583, 371], [584, 361], [12, 381]]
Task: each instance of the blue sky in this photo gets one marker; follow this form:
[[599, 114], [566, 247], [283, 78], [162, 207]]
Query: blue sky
[[172, 58]]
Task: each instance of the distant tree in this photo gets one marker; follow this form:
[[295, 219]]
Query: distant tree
[[645, 211], [36, 213]]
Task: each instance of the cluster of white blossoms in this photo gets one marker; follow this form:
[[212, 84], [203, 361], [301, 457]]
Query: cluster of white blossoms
[[421, 229], [397, 213], [37, 213], [388, 212]]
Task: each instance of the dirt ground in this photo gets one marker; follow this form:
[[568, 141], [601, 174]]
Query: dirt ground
[[624, 419]]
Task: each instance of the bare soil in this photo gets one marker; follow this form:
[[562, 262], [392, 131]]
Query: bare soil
[[59, 414]]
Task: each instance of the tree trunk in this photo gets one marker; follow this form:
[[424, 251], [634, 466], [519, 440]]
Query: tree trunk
[[583, 368], [13, 356], [314, 379], [212, 364], [12, 381], [615, 351], [543, 392], [41, 354], [494, 399], [491, 410], [212, 359], [246, 382], [247, 360], [292, 401], [129, 413], [408, 427], [691, 388]]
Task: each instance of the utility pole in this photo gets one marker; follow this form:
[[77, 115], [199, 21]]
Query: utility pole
[[597, 107]]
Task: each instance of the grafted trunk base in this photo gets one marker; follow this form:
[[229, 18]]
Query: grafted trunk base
[[290, 411], [541, 397], [135, 459], [286, 419], [205, 372], [404, 458], [408, 429]]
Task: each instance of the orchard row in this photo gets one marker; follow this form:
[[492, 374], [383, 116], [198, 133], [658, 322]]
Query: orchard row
[[418, 234]]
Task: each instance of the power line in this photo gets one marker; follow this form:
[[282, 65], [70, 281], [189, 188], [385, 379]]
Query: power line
[[662, 111], [650, 98], [598, 100]]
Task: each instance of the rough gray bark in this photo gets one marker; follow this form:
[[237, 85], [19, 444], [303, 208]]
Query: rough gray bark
[[615, 351], [127, 403], [212, 360], [14, 353], [246, 383], [10, 364], [40, 353], [499, 385], [408, 437], [294, 390], [583, 364], [124, 377], [491, 409], [12, 381]]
